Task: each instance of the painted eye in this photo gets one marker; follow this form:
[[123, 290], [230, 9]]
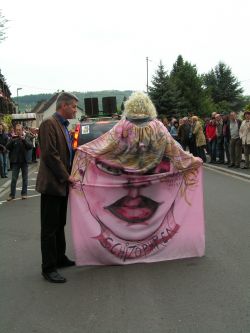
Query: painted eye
[[108, 169]]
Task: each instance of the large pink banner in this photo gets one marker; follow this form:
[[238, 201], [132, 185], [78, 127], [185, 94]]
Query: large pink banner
[[124, 217]]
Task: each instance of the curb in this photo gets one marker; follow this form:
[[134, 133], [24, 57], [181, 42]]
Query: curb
[[231, 172]]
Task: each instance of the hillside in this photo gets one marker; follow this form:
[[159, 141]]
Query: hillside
[[26, 103]]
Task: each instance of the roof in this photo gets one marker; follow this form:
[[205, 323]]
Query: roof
[[39, 105], [47, 104]]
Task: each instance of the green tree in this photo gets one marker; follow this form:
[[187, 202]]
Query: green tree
[[7, 119], [3, 22], [224, 88], [189, 84], [164, 93]]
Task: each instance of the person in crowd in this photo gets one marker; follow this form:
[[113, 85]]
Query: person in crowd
[[31, 137], [211, 139], [235, 141], [200, 139], [226, 136], [245, 137], [192, 138], [11, 131], [35, 143], [53, 182], [3, 152], [183, 133], [206, 123], [165, 121], [213, 114], [219, 138], [18, 146], [174, 130]]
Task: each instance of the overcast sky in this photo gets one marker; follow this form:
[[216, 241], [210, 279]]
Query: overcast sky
[[82, 45]]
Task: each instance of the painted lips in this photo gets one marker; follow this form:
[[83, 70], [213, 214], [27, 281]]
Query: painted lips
[[133, 210]]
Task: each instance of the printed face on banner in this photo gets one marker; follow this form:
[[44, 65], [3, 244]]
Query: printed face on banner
[[132, 211], [135, 213]]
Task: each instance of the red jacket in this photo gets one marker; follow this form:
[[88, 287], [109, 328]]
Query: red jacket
[[211, 131]]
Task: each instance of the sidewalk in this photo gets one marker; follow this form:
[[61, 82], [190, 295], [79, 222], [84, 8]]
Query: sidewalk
[[243, 173]]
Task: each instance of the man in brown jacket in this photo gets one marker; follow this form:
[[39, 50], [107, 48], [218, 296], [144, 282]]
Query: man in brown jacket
[[53, 183]]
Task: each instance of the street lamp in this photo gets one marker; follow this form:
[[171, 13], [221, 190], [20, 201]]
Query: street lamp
[[17, 98], [147, 60]]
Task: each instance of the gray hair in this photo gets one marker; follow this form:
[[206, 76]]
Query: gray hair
[[65, 97]]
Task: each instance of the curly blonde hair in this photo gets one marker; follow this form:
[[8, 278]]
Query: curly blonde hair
[[139, 106]]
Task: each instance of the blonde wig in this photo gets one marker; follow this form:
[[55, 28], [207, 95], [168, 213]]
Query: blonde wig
[[139, 106]]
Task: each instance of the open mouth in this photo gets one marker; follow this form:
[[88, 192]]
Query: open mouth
[[134, 210]]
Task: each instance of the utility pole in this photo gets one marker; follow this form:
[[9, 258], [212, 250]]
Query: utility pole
[[17, 99], [147, 73]]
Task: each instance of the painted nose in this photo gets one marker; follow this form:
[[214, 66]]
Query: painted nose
[[133, 192]]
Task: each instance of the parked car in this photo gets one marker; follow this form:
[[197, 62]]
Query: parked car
[[91, 129]]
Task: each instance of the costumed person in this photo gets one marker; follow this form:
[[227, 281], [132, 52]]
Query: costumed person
[[131, 199]]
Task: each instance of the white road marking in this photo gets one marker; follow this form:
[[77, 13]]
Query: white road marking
[[16, 199]]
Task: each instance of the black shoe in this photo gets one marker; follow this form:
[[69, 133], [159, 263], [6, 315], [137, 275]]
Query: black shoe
[[219, 162], [66, 263], [230, 165], [236, 166], [54, 277]]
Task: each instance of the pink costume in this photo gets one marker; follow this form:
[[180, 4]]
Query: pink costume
[[138, 197]]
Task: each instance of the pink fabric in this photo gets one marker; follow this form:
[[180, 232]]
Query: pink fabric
[[127, 219]]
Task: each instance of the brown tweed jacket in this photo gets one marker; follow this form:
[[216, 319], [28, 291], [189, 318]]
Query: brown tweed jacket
[[54, 169]]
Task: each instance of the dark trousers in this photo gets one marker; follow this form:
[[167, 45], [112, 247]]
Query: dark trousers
[[34, 154], [247, 154], [15, 167], [3, 164], [192, 146], [220, 148], [185, 145], [236, 151], [201, 153], [53, 220], [226, 148], [212, 150]]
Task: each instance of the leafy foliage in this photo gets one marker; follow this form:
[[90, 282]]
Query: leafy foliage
[[184, 92], [224, 88], [164, 94], [7, 120], [189, 83]]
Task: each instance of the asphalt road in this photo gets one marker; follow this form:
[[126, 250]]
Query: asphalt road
[[209, 294]]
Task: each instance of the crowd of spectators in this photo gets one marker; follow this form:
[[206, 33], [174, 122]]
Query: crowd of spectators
[[220, 139], [6, 134]]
